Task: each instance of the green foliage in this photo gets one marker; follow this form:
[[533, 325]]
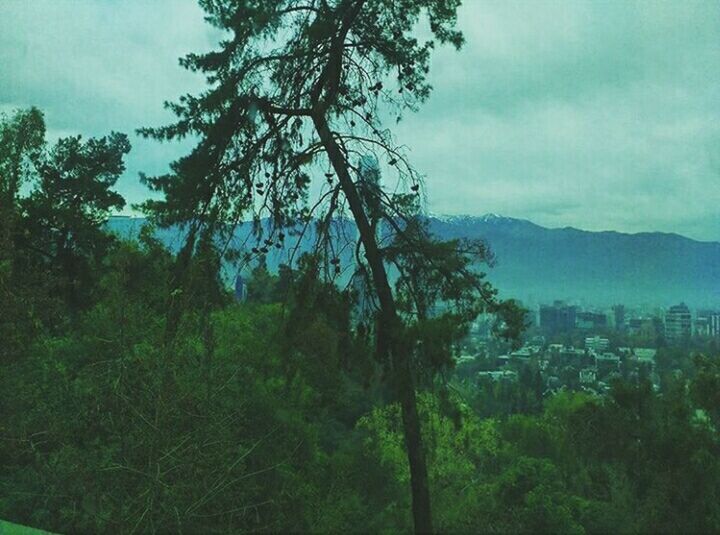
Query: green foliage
[[105, 432], [706, 387], [21, 142], [53, 203], [64, 213], [22, 138], [584, 465], [297, 91]]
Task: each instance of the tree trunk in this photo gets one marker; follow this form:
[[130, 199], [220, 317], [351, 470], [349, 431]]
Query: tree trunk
[[391, 327]]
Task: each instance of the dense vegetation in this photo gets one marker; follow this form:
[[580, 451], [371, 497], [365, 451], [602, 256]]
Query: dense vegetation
[[273, 415]]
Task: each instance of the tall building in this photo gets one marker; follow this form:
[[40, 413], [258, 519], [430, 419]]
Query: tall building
[[645, 327], [530, 318], [240, 289], [702, 325], [619, 313], [557, 317], [659, 325], [715, 325], [707, 323], [678, 324], [591, 320]]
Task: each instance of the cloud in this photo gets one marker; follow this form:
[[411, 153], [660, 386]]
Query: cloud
[[93, 67], [597, 115], [600, 115]]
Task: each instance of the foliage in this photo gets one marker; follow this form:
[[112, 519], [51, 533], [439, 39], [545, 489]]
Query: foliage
[[287, 428], [296, 95], [53, 203]]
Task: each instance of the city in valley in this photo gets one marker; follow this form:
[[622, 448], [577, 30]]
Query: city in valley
[[568, 347]]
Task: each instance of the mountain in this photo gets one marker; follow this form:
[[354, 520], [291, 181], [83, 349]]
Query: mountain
[[538, 264]]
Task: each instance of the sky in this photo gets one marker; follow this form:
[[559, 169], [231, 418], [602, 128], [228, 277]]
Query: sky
[[602, 115]]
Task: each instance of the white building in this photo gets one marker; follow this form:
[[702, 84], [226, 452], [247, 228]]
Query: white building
[[597, 344]]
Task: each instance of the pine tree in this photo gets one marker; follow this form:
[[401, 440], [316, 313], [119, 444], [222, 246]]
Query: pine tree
[[287, 128]]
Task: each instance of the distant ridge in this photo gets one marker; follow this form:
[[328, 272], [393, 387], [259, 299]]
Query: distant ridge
[[538, 264], [500, 219]]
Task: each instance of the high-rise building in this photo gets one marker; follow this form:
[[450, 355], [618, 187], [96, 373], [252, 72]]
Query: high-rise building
[[591, 320], [240, 289], [530, 318], [659, 325], [678, 324], [619, 313], [715, 325], [557, 317], [648, 328], [707, 323], [702, 325]]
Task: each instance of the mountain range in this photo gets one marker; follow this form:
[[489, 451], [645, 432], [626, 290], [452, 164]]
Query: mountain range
[[537, 264]]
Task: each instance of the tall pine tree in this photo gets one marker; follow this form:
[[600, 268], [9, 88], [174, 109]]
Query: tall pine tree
[[289, 131]]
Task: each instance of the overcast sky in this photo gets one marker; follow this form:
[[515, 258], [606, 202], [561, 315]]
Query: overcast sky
[[599, 115]]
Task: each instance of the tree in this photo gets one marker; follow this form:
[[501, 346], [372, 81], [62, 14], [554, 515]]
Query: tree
[[53, 204], [71, 200], [298, 91], [705, 387], [21, 142], [22, 138]]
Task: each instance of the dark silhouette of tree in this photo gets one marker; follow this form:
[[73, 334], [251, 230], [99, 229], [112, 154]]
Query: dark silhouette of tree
[[22, 138], [72, 199], [54, 202], [290, 131]]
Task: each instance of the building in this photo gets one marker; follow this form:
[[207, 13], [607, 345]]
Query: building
[[619, 315], [702, 325], [607, 364], [530, 318], [707, 323], [678, 324], [569, 356], [715, 325], [587, 376], [590, 320], [597, 343], [645, 354], [659, 325], [240, 289], [557, 318], [643, 327], [498, 375]]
